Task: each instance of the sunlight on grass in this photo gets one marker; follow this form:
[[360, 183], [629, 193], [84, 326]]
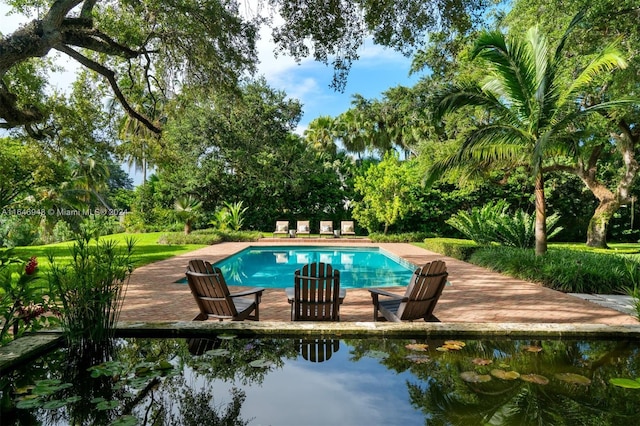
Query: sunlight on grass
[[146, 250]]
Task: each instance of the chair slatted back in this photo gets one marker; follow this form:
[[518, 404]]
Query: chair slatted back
[[423, 291], [210, 290], [317, 350], [316, 293]]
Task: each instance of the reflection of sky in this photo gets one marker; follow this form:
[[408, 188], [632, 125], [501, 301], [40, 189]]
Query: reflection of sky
[[334, 392], [274, 267]]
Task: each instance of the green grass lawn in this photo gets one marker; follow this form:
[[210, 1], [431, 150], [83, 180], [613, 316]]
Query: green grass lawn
[[146, 249]]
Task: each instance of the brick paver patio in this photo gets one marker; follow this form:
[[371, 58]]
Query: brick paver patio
[[476, 295]]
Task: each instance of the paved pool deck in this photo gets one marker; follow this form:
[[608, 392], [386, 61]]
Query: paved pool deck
[[477, 295]]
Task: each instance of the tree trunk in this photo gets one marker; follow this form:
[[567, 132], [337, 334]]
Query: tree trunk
[[187, 227], [597, 231], [541, 216]]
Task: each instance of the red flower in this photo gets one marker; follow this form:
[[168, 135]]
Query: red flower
[[31, 266]]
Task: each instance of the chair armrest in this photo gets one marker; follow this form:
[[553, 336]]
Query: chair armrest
[[256, 290], [379, 292]]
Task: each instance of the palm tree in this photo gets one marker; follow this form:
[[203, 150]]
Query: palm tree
[[187, 209], [531, 108]]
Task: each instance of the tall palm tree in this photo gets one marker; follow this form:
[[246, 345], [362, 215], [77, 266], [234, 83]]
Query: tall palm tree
[[531, 108]]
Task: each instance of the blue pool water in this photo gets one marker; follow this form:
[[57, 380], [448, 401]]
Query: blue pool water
[[274, 267]]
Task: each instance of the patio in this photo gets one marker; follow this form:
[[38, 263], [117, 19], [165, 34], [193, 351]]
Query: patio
[[476, 295]]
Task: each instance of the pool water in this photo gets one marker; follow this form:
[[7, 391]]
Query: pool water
[[274, 267], [322, 381]]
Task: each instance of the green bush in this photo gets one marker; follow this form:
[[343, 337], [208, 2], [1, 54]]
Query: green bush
[[458, 249], [209, 237], [561, 269], [408, 237]]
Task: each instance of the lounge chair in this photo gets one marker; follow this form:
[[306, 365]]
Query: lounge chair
[[302, 228], [282, 227], [347, 228], [326, 228], [316, 295], [317, 350], [212, 295], [419, 300]]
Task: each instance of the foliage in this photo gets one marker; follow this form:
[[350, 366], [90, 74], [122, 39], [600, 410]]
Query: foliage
[[405, 237], [633, 288], [91, 289], [458, 249], [236, 212], [386, 193], [187, 209], [565, 270], [22, 302], [492, 223], [209, 237]]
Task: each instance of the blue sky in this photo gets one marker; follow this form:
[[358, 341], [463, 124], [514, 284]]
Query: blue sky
[[377, 70]]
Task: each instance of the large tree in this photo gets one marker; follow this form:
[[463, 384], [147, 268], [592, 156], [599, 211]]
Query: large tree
[[530, 110], [153, 45]]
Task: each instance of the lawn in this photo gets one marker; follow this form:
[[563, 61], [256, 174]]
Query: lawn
[[146, 249]]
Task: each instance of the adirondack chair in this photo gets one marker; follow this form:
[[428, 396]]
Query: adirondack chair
[[213, 297], [419, 300], [316, 293], [317, 350]]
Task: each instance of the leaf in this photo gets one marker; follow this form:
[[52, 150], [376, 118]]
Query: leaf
[[54, 404], [473, 377], [261, 363], [29, 403], [532, 348], [376, 354], [419, 347], [227, 336], [127, 420], [481, 361], [575, 379], [455, 343], [164, 365], [218, 352], [418, 358], [505, 375], [625, 383], [535, 378], [107, 405]]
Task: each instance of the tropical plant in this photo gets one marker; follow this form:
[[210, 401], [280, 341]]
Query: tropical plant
[[187, 209], [23, 302], [235, 215], [479, 223], [91, 289], [527, 110]]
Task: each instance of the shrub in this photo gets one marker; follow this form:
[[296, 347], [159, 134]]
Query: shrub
[[91, 290], [479, 224], [560, 269], [458, 249], [209, 237], [408, 237]]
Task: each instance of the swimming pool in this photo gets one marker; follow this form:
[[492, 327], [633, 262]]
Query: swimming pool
[[274, 266]]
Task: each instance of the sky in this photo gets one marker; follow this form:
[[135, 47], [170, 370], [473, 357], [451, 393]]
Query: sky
[[377, 70]]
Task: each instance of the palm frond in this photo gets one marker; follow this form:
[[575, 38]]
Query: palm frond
[[608, 60]]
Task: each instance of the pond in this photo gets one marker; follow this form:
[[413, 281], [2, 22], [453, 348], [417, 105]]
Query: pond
[[323, 381], [274, 266]]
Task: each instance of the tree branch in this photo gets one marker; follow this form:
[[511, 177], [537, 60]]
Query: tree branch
[[111, 78]]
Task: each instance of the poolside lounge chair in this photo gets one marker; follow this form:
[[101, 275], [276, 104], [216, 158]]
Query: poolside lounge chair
[[419, 300], [317, 350], [282, 227], [302, 228], [347, 228], [316, 295], [326, 228], [212, 295]]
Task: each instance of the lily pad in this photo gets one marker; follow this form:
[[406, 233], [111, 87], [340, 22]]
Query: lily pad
[[625, 383], [418, 347], [481, 361], [227, 336], [107, 405], [29, 403], [532, 348], [453, 346], [455, 343], [376, 354], [574, 379], [473, 377], [505, 375], [218, 352], [54, 404], [419, 359], [261, 363], [127, 420], [442, 349], [534, 378], [164, 365]]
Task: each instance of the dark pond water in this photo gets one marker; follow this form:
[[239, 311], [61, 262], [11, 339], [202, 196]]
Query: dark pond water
[[271, 381]]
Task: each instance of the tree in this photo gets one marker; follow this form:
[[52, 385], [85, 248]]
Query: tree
[[386, 193], [529, 110], [155, 44], [610, 143], [187, 209]]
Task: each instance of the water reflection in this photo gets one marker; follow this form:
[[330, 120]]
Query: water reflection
[[324, 381]]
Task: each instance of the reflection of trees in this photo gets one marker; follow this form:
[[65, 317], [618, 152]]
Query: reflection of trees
[[445, 398]]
